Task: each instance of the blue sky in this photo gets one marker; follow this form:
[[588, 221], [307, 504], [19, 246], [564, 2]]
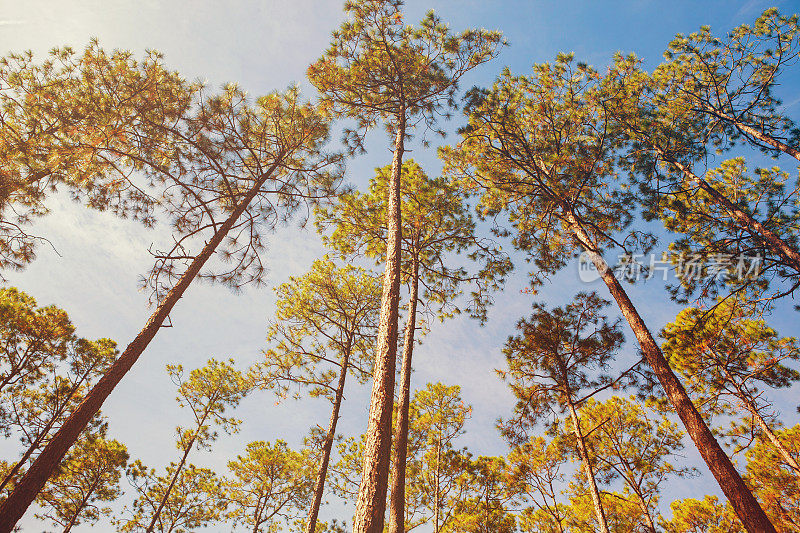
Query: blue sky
[[265, 46]]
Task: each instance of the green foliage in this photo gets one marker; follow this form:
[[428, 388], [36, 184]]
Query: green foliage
[[774, 480], [635, 445], [271, 484], [83, 121], [325, 324], [483, 508], [534, 476], [727, 357], [541, 149], [193, 499], [560, 358], [45, 372], [88, 475], [136, 139], [208, 393], [725, 84], [435, 481], [378, 68], [702, 516]]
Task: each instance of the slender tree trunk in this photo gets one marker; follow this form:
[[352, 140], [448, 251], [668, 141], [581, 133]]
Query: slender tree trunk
[[40, 437], [769, 238], [83, 503], [172, 481], [397, 503], [371, 505], [752, 132], [12, 509], [651, 526], [319, 488], [436, 503], [744, 503], [599, 512], [773, 438]]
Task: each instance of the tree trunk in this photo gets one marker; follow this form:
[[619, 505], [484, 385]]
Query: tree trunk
[[83, 503], [172, 481], [397, 503], [319, 488], [773, 438], [651, 526], [12, 509], [744, 503], [599, 512], [753, 133], [41, 436], [436, 503], [766, 236], [371, 505]]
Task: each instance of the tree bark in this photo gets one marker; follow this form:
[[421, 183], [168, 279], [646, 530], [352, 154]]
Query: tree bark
[[397, 503], [599, 512], [437, 504], [371, 504], [651, 526], [12, 509], [744, 503], [319, 488]]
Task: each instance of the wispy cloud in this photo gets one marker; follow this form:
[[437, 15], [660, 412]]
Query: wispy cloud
[[12, 22]]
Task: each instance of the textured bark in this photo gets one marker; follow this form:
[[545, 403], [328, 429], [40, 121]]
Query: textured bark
[[371, 505], [744, 503], [397, 502], [12, 509], [599, 512], [437, 504], [319, 487], [751, 225]]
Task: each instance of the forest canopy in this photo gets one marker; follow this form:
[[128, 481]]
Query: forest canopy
[[414, 290]]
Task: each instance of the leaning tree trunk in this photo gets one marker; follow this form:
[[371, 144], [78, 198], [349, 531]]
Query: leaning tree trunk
[[599, 512], [651, 525], [744, 503], [766, 429], [178, 470], [12, 509], [754, 133], [371, 504], [397, 503], [44, 432], [768, 237], [319, 488]]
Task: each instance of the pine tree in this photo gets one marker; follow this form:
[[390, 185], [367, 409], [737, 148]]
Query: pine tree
[[89, 474], [231, 172], [543, 149], [436, 227], [324, 329], [379, 69], [556, 364]]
